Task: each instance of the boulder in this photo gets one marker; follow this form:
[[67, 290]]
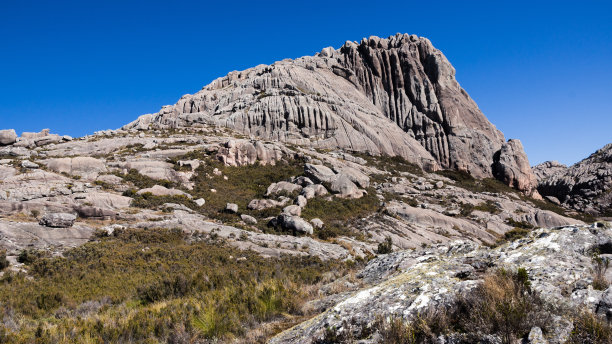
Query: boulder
[[512, 167], [294, 223], [28, 164], [158, 190], [355, 176], [261, 204], [7, 137], [248, 219], [283, 187], [301, 201], [57, 220], [292, 210], [231, 208], [89, 212], [317, 223], [312, 191], [200, 202], [344, 187], [85, 167], [319, 173]]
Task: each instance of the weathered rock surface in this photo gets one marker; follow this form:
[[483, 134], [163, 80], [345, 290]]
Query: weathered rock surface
[[86, 167], [58, 220], [546, 169], [394, 96], [585, 186], [408, 283]]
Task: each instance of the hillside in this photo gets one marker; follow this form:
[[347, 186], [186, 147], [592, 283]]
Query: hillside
[[352, 196]]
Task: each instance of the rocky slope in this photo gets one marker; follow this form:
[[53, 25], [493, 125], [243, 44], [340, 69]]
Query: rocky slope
[[585, 186], [394, 96], [410, 284]]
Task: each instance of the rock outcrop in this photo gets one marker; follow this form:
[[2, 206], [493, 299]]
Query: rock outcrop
[[585, 186], [512, 167], [394, 96]]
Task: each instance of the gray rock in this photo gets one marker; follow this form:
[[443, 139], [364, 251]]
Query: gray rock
[[7, 137], [261, 204], [312, 191], [282, 187], [319, 173], [158, 190], [248, 219], [231, 208], [512, 167], [292, 210], [604, 307], [344, 187], [200, 202], [317, 223], [57, 220], [29, 164], [536, 336], [301, 201], [585, 186], [294, 223]]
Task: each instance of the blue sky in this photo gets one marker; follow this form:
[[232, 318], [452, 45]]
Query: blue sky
[[541, 71]]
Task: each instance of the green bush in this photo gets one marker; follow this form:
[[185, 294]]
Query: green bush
[[385, 246]]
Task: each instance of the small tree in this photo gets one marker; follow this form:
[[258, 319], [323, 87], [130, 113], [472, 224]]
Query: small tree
[[385, 246]]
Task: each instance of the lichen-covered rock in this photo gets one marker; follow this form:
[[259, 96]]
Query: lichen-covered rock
[[406, 284], [57, 220]]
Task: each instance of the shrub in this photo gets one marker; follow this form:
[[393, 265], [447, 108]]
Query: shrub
[[4, 263], [601, 265], [385, 246], [588, 328]]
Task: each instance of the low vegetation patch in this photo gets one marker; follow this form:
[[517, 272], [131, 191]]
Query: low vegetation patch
[[150, 286], [339, 214], [141, 181]]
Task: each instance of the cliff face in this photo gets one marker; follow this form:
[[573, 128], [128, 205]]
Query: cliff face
[[394, 96], [585, 186]]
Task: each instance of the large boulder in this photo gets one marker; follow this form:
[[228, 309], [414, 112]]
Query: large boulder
[[343, 186], [282, 187], [319, 173], [511, 166], [57, 220], [7, 137], [294, 223]]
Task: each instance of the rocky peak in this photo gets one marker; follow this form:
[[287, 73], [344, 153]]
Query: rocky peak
[[393, 96]]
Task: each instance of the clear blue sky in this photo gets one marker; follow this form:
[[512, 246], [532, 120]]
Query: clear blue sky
[[540, 71]]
